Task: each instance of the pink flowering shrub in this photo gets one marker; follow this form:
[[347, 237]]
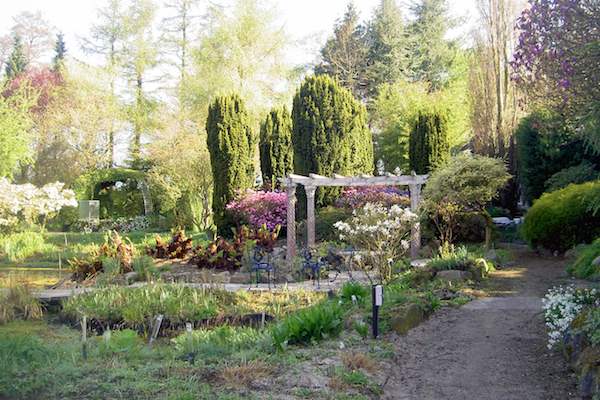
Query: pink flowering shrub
[[258, 208], [356, 197]]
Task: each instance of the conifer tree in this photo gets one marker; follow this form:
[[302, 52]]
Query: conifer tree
[[428, 143], [276, 153], [16, 63], [60, 51]]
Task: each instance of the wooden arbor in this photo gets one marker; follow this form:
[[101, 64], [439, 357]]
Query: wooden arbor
[[312, 181]]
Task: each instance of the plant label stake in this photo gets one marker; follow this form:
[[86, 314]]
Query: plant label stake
[[156, 328], [377, 297], [84, 337]]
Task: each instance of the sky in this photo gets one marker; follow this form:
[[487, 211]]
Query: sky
[[308, 22]]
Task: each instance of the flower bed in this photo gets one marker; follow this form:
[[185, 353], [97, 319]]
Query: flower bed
[[260, 208], [387, 196]]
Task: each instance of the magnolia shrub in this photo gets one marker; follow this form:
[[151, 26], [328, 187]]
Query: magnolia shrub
[[382, 233], [27, 204]]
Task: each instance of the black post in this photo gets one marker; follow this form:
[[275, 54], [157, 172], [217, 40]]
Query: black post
[[377, 299]]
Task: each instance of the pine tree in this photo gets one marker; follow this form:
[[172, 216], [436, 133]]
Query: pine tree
[[428, 143], [430, 53], [60, 51], [330, 133], [231, 145], [276, 152], [16, 63], [387, 47], [345, 54]]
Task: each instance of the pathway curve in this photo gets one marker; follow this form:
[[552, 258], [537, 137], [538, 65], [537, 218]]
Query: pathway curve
[[493, 348]]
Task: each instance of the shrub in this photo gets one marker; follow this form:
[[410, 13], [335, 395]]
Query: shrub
[[428, 143], [179, 246], [231, 145], [325, 220], [114, 248], [330, 134], [260, 208], [563, 219], [17, 247], [16, 302], [581, 173], [591, 327], [309, 325], [356, 289], [276, 153], [356, 197], [583, 266]]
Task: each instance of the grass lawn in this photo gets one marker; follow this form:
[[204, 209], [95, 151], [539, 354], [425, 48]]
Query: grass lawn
[[44, 262]]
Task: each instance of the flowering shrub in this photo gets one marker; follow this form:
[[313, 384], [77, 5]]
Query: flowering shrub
[[354, 197], [123, 225], [382, 232], [562, 305], [257, 208], [28, 203]]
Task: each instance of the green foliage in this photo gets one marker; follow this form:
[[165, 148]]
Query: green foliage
[[591, 327], [330, 133], [17, 302], [309, 325], [125, 342], [324, 220], [584, 172], [17, 62], [428, 144], [564, 218], [545, 146], [15, 123], [20, 246], [355, 289], [276, 152], [583, 266], [231, 145]]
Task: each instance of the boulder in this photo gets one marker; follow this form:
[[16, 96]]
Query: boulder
[[452, 276], [406, 317], [131, 277], [596, 261]]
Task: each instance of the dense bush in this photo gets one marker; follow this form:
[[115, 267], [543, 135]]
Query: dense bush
[[276, 153], [326, 218], [428, 143], [330, 134], [583, 266], [564, 218], [356, 197], [581, 173], [231, 145], [259, 208]]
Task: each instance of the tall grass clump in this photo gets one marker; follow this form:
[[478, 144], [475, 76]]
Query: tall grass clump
[[17, 302], [20, 246]]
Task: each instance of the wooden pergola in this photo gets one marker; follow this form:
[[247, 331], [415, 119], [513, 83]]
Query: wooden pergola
[[312, 181]]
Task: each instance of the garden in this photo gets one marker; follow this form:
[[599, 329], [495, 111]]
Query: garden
[[207, 220]]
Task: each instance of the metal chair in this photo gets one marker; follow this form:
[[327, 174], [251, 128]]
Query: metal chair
[[259, 265]]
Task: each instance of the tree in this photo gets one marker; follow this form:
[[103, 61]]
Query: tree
[[242, 52], [330, 133], [16, 63], [387, 41], [15, 134], [430, 53], [344, 55], [428, 145], [107, 39], [60, 51], [36, 34], [276, 152], [231, 146], [140, 57]]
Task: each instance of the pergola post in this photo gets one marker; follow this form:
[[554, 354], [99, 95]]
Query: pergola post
[[415, 232], [310, 215], [290, 190]]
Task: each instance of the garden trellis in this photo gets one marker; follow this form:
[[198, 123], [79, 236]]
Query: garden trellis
[[312, 181]]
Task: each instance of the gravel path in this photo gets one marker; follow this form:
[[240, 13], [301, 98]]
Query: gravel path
[[492, 348]]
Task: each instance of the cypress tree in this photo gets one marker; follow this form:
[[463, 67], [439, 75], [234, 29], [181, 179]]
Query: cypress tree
[[276, 153], [428, 143], [60, 50], [17, 62], [330, 133], [231, 145]]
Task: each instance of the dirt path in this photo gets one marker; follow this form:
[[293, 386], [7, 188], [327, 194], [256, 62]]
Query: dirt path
[[493, 348]]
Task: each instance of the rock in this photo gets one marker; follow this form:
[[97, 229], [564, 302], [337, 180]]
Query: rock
[[422, 275], [571, 253], [596, 261], [452, 276], [241, 277], [502, 221], [404, 318], [131, 277], [492, 256]]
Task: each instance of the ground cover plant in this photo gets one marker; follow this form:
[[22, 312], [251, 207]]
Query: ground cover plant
[[586, 265]]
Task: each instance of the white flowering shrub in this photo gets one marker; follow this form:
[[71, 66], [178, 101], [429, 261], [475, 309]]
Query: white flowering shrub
[[562, 305], [28, 204], [382, 233]]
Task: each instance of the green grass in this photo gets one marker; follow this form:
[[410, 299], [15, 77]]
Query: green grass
[[583, 266]]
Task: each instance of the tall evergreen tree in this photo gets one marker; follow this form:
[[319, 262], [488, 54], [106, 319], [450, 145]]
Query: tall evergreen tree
[[60, 51], [387, 46], [16, 63], [276, 152], [428, 143], [431, 53], [330, 133], [231, 145], [344, 55]]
